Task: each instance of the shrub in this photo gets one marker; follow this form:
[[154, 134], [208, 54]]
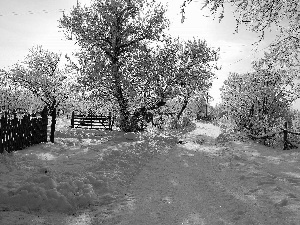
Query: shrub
[[258, 101], [186, 122], [173, 123], [183, 122]]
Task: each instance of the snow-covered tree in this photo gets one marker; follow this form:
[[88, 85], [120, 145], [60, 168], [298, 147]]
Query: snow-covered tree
[[174, 69], [264, 16], [196, 71], [115, 28], [258, 101], [40, 74]]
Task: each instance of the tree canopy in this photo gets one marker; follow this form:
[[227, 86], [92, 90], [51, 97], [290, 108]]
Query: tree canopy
[[115, 28], [262, 16], [40, 74], [259, 101], [184, 69]]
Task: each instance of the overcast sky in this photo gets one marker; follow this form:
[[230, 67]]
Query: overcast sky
[[27, 23]]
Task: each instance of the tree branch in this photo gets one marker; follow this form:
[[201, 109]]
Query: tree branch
[[123, 46]]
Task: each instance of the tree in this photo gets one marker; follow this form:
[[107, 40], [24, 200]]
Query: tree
[[40, 74], [94, 83], [174, 69], [114, 28], [195, 70], [14, 99], [94, 72], [156, 73], [258, 101], [260, 16]]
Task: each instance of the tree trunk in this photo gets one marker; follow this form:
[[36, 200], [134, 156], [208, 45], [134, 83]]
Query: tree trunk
[[157, 105], [123, 103], [124, 115], [206, 106], [127, 123], [142, 115], [183, 107]]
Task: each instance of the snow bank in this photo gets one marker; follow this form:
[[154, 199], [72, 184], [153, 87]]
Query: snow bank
[[69, 179], [44, 192], [36, 188], [78, 170]]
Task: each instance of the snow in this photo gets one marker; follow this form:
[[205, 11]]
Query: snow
[[90, 177], [82, 168], [38, 178]]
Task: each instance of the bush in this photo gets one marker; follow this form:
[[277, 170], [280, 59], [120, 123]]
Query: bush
[[232, 132], [173, 123], [186, 122], [227, 124], [183, 122]]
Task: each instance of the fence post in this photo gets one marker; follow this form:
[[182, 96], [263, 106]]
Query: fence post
[[1, 134], [265, 132], [91, 117], [14, 135], [72, 120], [113, 119], [109, 121], [285, 136], [4, 127], [44, 115]]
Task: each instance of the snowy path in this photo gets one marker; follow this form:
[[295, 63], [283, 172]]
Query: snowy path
[[189, 187], [151, 180]]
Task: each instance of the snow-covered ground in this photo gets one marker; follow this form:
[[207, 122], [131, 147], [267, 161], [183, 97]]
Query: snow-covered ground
[[56, 183], [107, 177]]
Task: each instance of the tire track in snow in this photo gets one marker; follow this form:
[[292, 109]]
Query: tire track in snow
[[168, 192], [189, 188]]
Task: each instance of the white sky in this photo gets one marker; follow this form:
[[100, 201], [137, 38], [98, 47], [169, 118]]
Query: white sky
[[27, 23]]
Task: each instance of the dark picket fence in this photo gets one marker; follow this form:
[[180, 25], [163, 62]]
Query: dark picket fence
[[17, 134], [92, 121]]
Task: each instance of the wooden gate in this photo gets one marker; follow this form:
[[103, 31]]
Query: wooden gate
[[92, 121]]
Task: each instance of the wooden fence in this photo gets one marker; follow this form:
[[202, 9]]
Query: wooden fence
[[17, 134], [92, 121], [284, 131]]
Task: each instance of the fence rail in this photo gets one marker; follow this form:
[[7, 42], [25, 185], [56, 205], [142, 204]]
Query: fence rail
[[286, 143], [17, 134], [92, 121]]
